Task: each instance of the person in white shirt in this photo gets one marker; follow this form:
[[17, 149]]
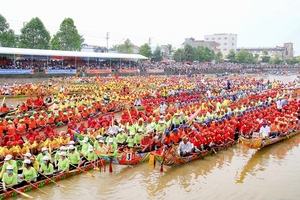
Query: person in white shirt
[[138, 102], [208, 93], [162, 108], [279, 104], [264, 130], [185, 147]]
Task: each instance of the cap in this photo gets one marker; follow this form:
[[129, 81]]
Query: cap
[[8, 157], [98, 137], [62, 148], [131, 133], [26, 161], [90, 148], [46, 158], [44, 149], [71, 142], [140, 130], [62, 154], [9, 167], [71, 147], [101, 141], [27, 154], [85, 139]]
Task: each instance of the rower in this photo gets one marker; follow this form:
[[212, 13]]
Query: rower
[[91, 155], [121, 137], [73, 156], [146, 143], [29, 173], [46, 166], [85, 144], [185, 147], [9, 179], [63, 163], [9, 161], [111, 146], [44, 152]]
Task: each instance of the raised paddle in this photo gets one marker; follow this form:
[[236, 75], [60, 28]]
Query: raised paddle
[[87, 173], [95, 167], [52, 180], [19, 192], [35, 186]]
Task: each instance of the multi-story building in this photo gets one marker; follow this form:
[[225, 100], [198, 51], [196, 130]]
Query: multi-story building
[[195, 43], [227, 41], [287, 51]]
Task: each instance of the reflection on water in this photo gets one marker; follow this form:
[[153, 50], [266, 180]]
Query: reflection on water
[[260, 159]]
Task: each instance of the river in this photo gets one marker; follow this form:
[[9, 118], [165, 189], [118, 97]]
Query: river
[[237, 173]]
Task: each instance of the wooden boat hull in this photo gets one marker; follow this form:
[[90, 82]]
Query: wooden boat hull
[[172, 159], [130, 158], [258, 143], [41, 183]]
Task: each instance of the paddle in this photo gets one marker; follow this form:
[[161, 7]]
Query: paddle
[[35, 186], [19, 192], [95, 167], [52, 180], [87, 173]]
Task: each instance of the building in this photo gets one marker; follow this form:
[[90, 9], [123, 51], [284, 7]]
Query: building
[[92, 48], [195, 43], [226, 41], [287, 51]]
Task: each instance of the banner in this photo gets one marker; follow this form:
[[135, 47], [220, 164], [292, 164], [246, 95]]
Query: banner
[[16, 71], [98, 71], [60, 71], [129, 70], [155, 71]]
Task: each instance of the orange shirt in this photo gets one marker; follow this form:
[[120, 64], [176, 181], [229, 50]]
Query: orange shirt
[[4, 109], [21, 127], [175, 138], [11, 129], [32, 124]]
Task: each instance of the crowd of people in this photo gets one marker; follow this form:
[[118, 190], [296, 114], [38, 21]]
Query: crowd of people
[[83, 65], [196, 114]]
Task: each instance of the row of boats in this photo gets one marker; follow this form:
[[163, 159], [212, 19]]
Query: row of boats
[[167, 158]]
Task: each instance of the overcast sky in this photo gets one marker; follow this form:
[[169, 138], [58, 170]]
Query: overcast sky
[[258, 23]]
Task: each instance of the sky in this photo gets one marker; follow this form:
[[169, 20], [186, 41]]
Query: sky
[[257, 23]]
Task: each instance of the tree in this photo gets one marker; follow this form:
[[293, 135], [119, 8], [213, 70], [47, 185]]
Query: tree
[[277, 59], [126, 47], [34, 35], [245, 57], [157, 54], [170, 49], [189, 52], [114, 47], [179, 55], [231, 56], [218, 57], [67, 38], [265, 58], [7, 35], [145, 50]]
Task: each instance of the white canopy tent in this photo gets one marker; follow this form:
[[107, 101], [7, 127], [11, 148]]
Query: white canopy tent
[[39, 52]]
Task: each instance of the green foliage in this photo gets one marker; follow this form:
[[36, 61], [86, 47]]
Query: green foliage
[[245, 57], [218, 57], [7, 35], [277, 59], [178, 55], [189, 52], [291, 61], [265, 58], [157, 54], [170, 48], [67, 38], [126, 47], [145, 50], [231, 56], [34, 35]]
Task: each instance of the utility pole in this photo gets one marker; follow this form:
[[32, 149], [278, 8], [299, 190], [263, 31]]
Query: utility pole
[[107, 37], [150, 40]]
